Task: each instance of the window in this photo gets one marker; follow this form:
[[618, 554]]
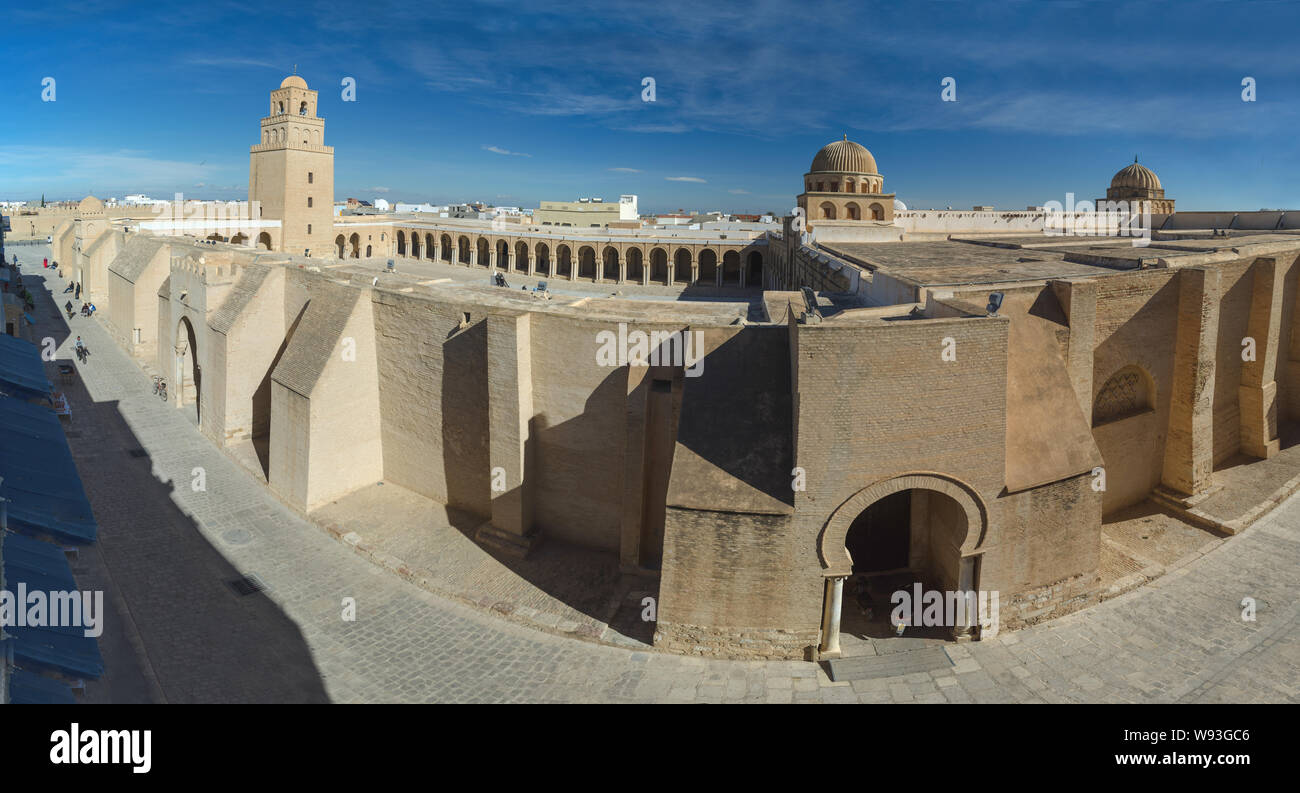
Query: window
[[308, 228], [302, 109], [309, 202], [310, 178]]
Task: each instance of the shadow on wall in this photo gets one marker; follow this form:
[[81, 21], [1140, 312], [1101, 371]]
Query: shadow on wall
[[219, 647], [261, 427]]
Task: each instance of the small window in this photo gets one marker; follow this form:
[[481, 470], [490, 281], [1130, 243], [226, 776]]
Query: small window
[[302, 109], [308, 202], [308, 228], [310, 177]]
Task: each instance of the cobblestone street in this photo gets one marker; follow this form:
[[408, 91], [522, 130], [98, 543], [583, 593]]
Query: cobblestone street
[[178, 632]]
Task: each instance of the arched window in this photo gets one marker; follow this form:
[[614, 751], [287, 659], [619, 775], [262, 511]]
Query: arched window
[[281, 109], [302, 109], [1128, 392], [828, 211], [852, 212], [877, 212]]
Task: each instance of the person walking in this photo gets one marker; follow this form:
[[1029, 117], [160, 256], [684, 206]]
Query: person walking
[[78, 295], [81, 350]]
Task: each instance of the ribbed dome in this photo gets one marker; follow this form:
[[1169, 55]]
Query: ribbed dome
[[844, 156], [293, 80], [1138, 176]]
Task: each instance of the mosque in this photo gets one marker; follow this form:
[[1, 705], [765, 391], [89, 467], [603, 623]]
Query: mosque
[[950, 398]]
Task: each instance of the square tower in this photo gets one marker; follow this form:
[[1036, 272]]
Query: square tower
[[291, 172]]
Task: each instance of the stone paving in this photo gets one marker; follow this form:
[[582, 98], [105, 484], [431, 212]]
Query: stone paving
[[177, 632]]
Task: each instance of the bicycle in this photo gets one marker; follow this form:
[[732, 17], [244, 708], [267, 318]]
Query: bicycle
[[160, 387]]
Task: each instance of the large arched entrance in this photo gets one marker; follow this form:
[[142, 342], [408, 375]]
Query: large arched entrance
[[186, 372], [919, 529]]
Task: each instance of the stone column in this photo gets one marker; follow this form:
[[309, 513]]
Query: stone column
[[179, 373], [437, 251], [721, 268], [473, 255], [1189, 446], [695, 269], [831, 617], [672, 269], [532, 263], [1257, 394]]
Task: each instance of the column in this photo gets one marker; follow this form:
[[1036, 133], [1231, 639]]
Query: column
[[473, 255], [532, 263], [722, 267], [672, 267], [178, 374], [1257, 394], [1189, 445], [622, 268], [695, 269], [831, 617], [437, 251]]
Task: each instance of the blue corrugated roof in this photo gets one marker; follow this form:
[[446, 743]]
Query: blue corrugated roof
[[22, 373], [27, 688], [40, 479], [66, 649]]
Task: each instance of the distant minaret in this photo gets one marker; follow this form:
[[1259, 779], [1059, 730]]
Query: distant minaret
[[291, 172]]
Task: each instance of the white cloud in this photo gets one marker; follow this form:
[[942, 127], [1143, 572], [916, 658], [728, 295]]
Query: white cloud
[[738, 191], [685, 179], [624, 170], [378, 189], [499, 150]]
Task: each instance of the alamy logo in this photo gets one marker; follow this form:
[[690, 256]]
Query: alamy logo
[[656, 348], [57, 609], [95, 747], [948, 609]]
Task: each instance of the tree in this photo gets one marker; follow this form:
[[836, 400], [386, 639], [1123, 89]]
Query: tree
[[42, 200]]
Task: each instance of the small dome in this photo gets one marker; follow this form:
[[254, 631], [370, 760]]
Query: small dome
[[293, 80], [899, 206], [1138, 176], [844, 156], [90, 204]]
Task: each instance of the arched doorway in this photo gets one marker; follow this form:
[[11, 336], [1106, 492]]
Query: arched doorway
[[186, 372], [339, 242], [659, 266], [754, 270], [610, 270], [445, 252], [401, 243], [264, 240], [731, 267], [355, 241], [682, 263], [543, 258], [708, 266], [415, 246], [521, 256], [462, 250], [917, 529], [484, 253], [503, 255], [587, 262], [563, 262], [634, 265]]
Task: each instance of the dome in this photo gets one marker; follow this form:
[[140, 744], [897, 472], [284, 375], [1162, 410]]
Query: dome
[[1138, 176], [899, 206], [293, 80], [844, 156]]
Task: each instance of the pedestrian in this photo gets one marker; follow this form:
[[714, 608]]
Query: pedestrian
[[81, 350], [45, 263], [78, 295], [68, 307]]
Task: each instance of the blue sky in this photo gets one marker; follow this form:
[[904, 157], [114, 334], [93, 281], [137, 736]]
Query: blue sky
[[512, 103]]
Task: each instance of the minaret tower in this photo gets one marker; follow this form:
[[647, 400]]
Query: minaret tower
[[291, 172]]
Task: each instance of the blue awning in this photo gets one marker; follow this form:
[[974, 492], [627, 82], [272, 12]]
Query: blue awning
[[40, 479], [27, 688], [41, 567], [29, 319], [22, 373]]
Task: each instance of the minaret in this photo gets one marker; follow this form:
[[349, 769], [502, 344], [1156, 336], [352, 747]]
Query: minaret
[[291, 172]]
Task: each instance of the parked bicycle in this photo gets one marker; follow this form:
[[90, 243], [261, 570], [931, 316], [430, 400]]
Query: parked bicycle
[[160, 387]]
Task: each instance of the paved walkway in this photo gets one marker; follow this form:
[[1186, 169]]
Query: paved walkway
[[179, 633]]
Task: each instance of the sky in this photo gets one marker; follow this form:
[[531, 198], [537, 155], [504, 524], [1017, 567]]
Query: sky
[[511, 103]]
